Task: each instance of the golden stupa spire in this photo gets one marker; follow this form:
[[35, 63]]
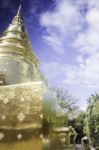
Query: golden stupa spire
[[19, 10], [18, 18], [15, 42]]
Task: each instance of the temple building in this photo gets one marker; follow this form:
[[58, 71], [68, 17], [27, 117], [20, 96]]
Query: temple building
[[26, 101], [21, 90], [27, 104]]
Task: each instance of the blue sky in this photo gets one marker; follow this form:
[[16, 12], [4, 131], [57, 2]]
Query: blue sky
[[65, 37]]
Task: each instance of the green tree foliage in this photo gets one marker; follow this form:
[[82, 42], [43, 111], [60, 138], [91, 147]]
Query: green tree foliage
[[66, 101], [74, 116], [93, 116]]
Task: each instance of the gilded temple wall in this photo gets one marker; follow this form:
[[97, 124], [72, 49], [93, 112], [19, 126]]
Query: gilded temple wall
[[18, 71], [22, 90]]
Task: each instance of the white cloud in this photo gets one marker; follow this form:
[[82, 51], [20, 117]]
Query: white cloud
[[87, 41], [55, 42], [89, 3], [62, 25], [87, 74]]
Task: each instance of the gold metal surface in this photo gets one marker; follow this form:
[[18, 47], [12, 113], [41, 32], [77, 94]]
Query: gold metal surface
[[32, 144], [21, 99], [15, 41], [20, 111], [21, 90]]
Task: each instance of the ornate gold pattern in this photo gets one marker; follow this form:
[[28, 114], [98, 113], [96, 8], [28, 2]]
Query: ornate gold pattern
[[21, 117], [3, 117], [21, 114], [20, 110], [1, 136], [19, 136]]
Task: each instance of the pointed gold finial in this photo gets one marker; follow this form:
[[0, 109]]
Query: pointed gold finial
[[19, 10], [18, 18], [20, 7]]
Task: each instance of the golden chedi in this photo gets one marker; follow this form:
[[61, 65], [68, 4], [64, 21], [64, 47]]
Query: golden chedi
[[20, 90], [17, 60]]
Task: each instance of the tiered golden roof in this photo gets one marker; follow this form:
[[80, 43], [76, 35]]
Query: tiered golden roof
[[15, 43]]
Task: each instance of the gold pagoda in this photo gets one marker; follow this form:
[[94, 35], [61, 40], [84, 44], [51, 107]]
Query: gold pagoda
[[16, 53], [27, 112], [21, 90]]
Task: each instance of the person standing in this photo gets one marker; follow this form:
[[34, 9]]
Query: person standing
[[85, 142]]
